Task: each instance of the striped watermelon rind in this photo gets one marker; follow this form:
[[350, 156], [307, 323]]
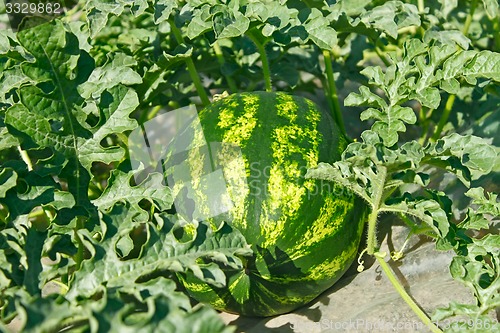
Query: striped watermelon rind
[[304, 233]]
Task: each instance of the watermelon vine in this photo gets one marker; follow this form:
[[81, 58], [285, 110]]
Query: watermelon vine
[[392, 106]]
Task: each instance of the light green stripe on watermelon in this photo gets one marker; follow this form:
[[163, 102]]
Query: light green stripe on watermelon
[[286, 196], [235, 176], [322, 227], [303, 238], [284, 200], [241, 126], [329, 268], [283, 299]]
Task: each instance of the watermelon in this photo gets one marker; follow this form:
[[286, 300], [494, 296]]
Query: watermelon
[[304, 233]]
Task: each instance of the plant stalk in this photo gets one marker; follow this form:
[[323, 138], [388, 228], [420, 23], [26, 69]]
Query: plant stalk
[[261, 47], [80, 249], [378, 50], [220, 59], [372, 218], [468, 20], [404, 295], [421, 6], [332, 92], [496, 27], [154, 112], [421, 10], [25, 157], [191, 68], [424, 116], [444, 117]]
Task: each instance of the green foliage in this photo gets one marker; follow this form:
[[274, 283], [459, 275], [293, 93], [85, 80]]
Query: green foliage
[[477, 263], [106, 241], [423, 76]]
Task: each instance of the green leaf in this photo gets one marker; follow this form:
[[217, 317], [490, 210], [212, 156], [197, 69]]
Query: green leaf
[[229, 23], [390, 123], [356, 16], [351, 8], [418, 75], [469, 311], [153, 306], [156, 78], [339, 172], [138, 7], [273, 13], [116, 104], [11, 79], [319, 30], [472, 65], [117, 71], [365, 98], [391, 16], [35, 191], [447, 37], [165, 250], [427, 210], [165, 310], [34, 244], [163, 10], [491, 7], [488, 205], [7, 140], [200, 22], [8, 178], [50, 114], [467, 156], [477, 264], [120, 190], [474, 221], [98, 13], [44, 314]]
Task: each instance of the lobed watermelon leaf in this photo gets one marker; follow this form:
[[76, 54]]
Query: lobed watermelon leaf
[[418, 76], [160, 306], [170, 246]]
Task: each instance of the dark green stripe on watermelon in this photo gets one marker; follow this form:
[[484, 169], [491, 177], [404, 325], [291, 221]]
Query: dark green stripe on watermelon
[[303, 238]]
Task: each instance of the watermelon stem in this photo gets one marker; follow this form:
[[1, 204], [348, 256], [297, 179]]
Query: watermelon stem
[[378, 191], [221, 60], [190, 65], [26, 158], [261, 47], [78, 257], [331, 92], [380, 256]]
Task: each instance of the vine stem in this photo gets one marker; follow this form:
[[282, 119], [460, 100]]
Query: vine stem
[[496, 27], [421, 6], [145, 116], [421, 10], [468, 20], [444, 117], [451, 98], [404, 295], [261, 47], [191, 68], [220, 59], [25, 157], [80, 248], [378, 50], [372, 218], [332, 91]]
